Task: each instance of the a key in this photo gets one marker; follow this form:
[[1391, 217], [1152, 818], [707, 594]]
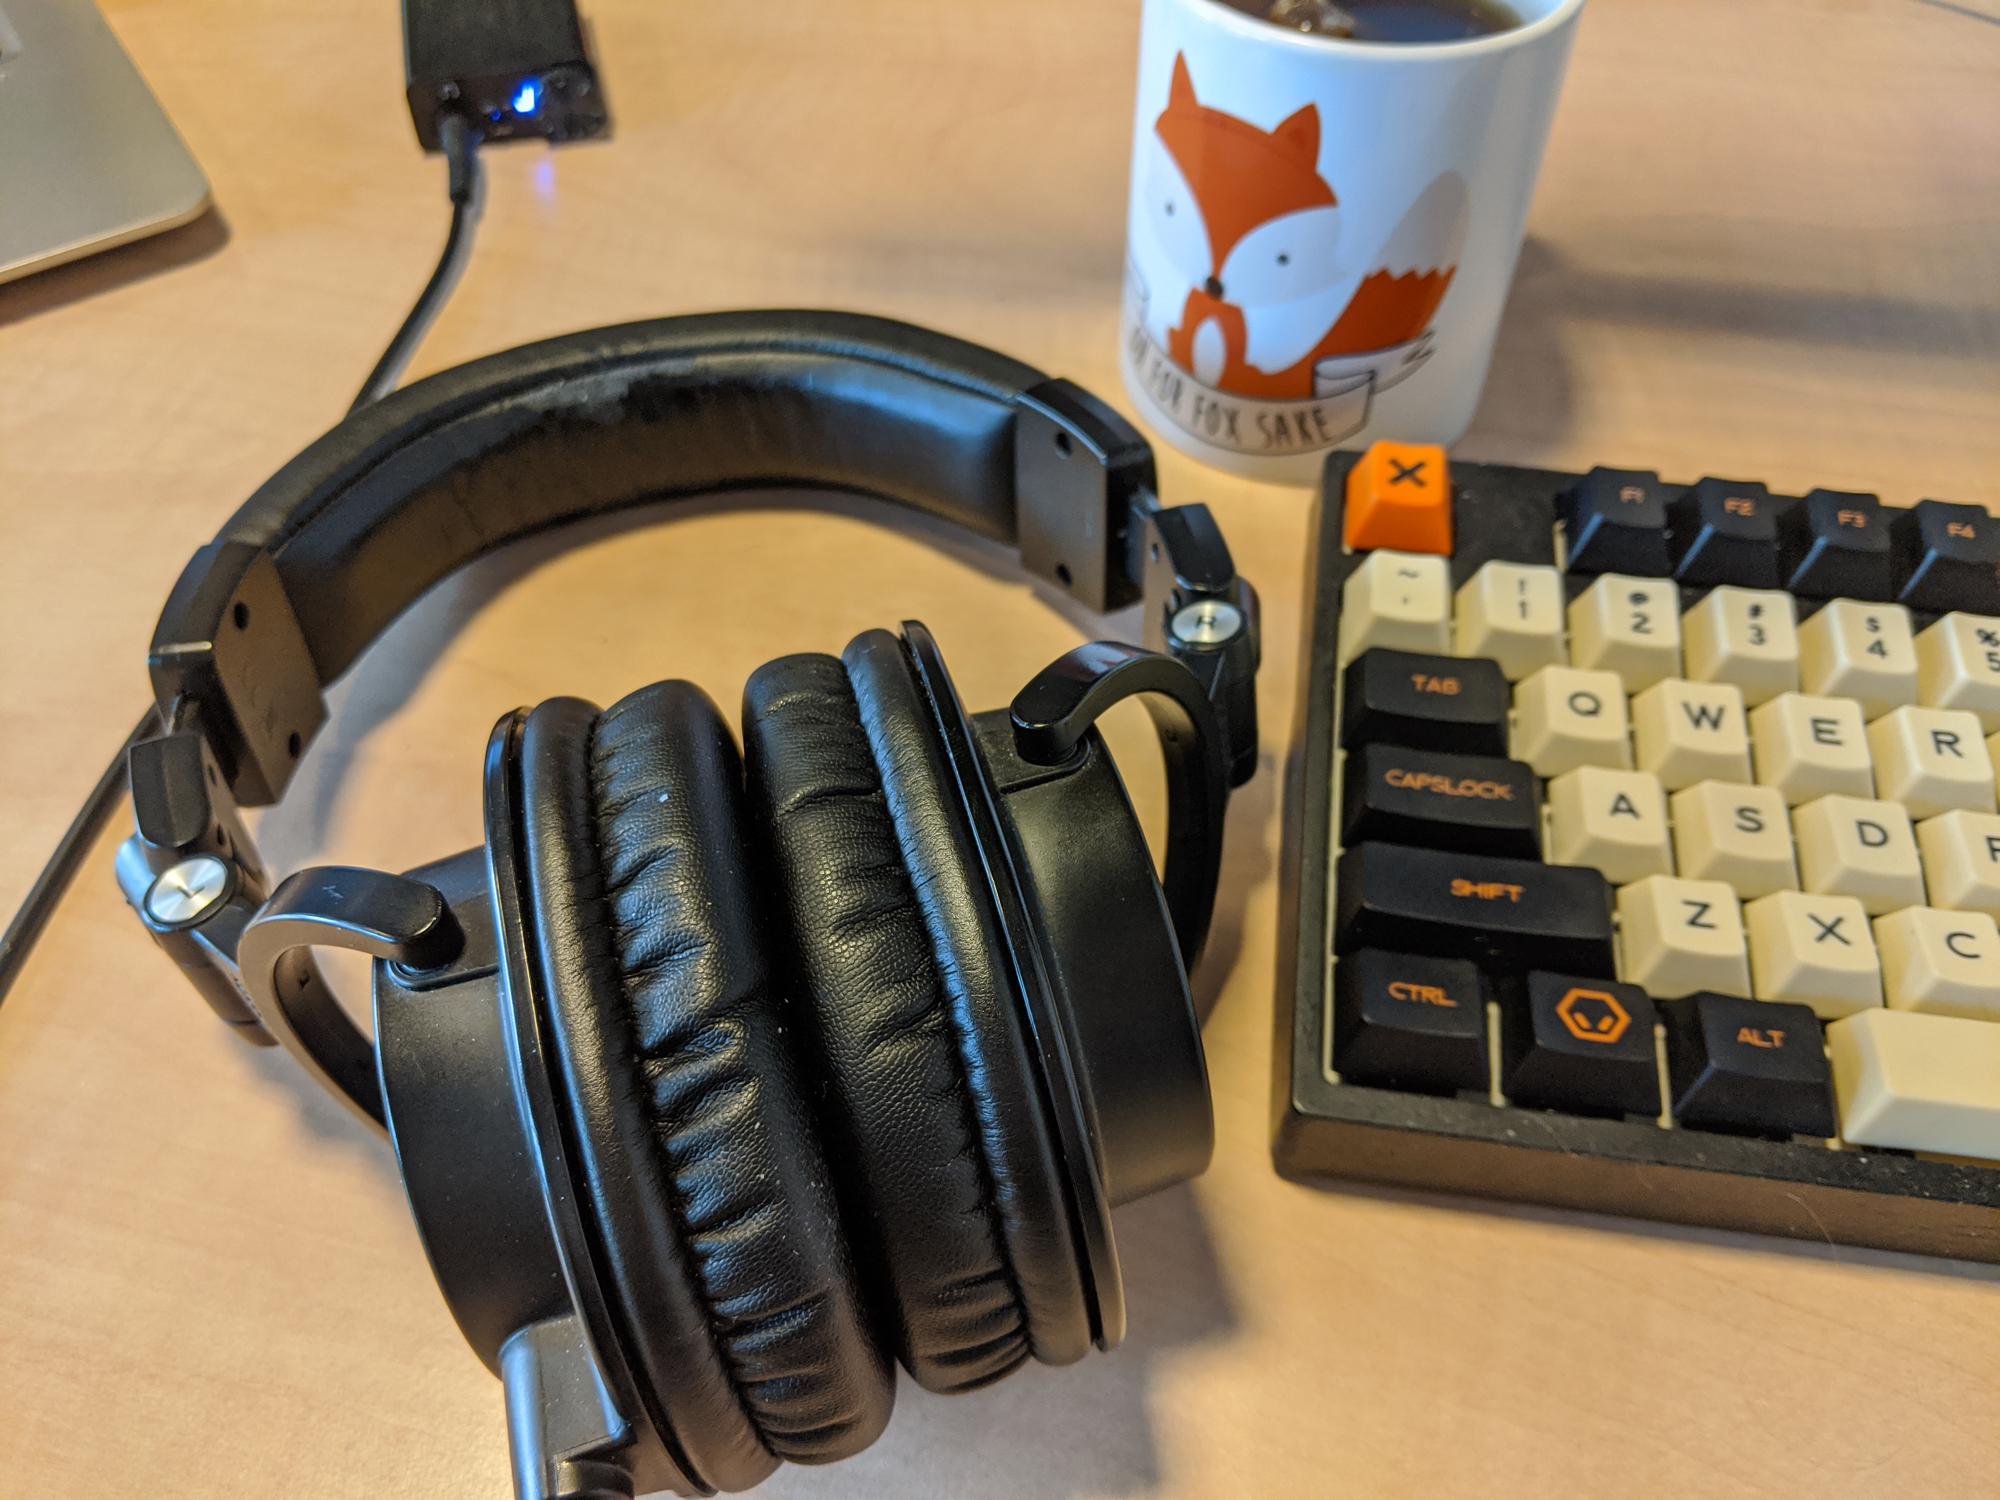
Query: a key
[[1630, 626], [1616, 520], [1684, 732], [1407, 1022], [1679, 936], [1943, 962], [1513, 913], [1613, 821], [1725, 531], [1473, 802], [1582, 1045], [1740, 835], [1849, 846], [1425, 702], [1918, 1082], [1812, 747], [1961, 857], [1512, 613], [1836, 546], [1931, 760], [1860, 651], [1948, 558], [1958, 666], [1816, 951], [1565, 718], [1746, 637], [1396, 599], [1748, 1066]]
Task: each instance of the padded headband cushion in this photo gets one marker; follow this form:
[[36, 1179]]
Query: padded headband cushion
[[705, 1183]]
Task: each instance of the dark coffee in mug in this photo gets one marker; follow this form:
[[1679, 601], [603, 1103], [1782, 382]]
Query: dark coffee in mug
[[1385, 20]]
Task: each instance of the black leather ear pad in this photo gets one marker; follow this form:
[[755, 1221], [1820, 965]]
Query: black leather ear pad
[[704, 1181], [944, 1160]]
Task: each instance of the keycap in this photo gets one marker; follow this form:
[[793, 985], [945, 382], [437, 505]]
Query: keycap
[[1931, 760], [1510, 912], [1836, 546], [1616, 522], [1473, 802], [1725, 531], [1630, 626], [1582, 1045], [1918, 1082], [1948, 558], [1739, 835], [1425, 702], [1816, 951], [1399, 496], [1679, 936], [1746, 637], [1396, 599], [1613, 821], [1958, 666], [1513, 613], [1860, 651], [1565, 718], [1812, 747], [1946, 963], [1407, 1022], [1851, 846], [1684, 732], [1961, 857], [1748, 1066]]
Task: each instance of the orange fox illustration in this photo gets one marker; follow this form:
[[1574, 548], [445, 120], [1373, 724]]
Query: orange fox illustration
[[1245, 220]]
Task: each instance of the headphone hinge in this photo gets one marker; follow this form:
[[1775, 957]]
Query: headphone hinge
[[1080, 472]]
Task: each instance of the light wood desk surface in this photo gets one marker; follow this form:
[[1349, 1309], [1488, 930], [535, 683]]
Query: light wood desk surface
[[1767, 244]]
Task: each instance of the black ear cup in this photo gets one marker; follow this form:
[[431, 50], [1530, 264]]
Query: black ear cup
[[713, 1216], [937, 1130]]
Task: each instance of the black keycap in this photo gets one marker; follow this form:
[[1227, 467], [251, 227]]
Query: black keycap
[[1617, 523], [1948, 557], [1582, 1045], [1425, 702], [1512, 913], [1725, 531], [1755, 1067], [1479, 803], [1836, 546], [1405, 1022]]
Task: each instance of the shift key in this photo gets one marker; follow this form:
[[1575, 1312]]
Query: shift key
[[1509, 913]]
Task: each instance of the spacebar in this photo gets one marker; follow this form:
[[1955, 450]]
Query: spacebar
[[1503, 912]]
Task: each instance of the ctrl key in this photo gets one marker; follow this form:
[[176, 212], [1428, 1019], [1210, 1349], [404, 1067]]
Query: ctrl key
[[1751, 1067], [1405, 1022]]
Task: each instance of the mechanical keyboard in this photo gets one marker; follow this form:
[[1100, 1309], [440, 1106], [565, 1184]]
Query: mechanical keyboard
[[1644, 851]]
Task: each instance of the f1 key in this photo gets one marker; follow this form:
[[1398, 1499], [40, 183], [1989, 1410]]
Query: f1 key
[[1478, 803], [1425, 702]]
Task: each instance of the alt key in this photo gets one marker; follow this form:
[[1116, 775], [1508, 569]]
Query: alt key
[[1757, 1067]]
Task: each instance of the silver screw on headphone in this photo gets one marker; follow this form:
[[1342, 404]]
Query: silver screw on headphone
[[1207, 622], [184, 893]]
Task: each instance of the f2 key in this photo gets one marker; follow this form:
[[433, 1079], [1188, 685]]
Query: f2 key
[[1725, 532], [1424, 702]]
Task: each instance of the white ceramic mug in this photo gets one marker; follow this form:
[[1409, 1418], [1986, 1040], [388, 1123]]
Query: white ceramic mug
[[1322, 232]]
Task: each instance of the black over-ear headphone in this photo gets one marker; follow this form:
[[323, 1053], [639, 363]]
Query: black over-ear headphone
[[718, 1082]]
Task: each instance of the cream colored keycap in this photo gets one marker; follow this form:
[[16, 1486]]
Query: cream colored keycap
[[1679, 936], [1852, 649], [1917, 1082], [1931, 760], [1740, 835], [1958, 666], [1684, 732], [1513, 613], [1631, 626], [1811, 747], [1993, 753], [1943, 962], [1613, 821], [1961, 854], [1849, 846], [1565, 718], [1813, 950], [1397, 599], [1749, 637]]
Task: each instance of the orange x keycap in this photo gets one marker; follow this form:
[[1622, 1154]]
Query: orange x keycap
[[1399, 496]]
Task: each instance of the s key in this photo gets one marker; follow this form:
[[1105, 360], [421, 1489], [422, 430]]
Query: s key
[[1425, 702], [1471, 802]]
